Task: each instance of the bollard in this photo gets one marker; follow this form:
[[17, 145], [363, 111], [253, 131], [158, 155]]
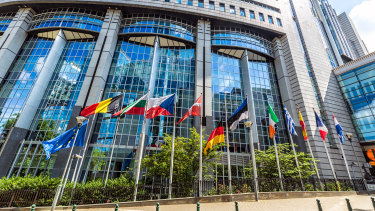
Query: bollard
[[116, 207], [74, 208], [373, 202], [348, 204], [236, 203], [33, 207], [157, 206], [198, 206], [319, 205]]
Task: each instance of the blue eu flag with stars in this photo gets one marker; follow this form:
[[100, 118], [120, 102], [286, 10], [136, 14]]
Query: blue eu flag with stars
[[65, 140]]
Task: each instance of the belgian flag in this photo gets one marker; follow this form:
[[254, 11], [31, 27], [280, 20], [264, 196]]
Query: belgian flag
[[217, 136], [109, 106]]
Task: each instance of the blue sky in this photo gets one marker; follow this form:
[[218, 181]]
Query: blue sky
[[363, 15]]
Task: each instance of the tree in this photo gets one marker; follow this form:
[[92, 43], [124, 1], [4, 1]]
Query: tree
[[267, 168], [186, 159]]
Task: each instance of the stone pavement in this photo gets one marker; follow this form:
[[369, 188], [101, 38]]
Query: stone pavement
[[338, 203]]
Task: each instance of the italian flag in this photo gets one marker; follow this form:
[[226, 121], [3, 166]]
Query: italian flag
[[135, 108], [272, 121]]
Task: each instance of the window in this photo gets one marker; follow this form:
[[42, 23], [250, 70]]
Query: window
[[201, 3], [178, 1], [212, 5], [190, 2], [261, 17], [232, 9], [167, 0], [222, 7], [252, 14], [270, 19], [242, 11], [279, 22]]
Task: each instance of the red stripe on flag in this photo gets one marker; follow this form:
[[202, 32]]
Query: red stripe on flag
[[89, 110]]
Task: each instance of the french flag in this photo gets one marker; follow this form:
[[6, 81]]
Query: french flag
[[338, 129], [322, 128], [162, 106]]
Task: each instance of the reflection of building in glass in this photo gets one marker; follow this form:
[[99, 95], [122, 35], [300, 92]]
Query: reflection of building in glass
[[57, 59]]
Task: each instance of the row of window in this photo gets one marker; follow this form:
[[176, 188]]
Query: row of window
[[232, 10]]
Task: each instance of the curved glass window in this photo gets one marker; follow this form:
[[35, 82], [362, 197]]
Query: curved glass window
[[5, 20], [57, 104], [158, 24], [230, 37], [20, 80], [69, 18]]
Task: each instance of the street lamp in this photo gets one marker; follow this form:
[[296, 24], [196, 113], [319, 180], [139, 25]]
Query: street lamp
[[249, 124], [80, 120], [350, 136]]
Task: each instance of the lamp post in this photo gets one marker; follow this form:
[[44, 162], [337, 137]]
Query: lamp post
[[248, 124], [80, 120], [350, 136]]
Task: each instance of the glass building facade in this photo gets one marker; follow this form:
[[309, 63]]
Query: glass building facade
[[358, 87]]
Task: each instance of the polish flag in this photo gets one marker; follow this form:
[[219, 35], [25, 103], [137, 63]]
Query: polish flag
[[195, 110], [162, 106]]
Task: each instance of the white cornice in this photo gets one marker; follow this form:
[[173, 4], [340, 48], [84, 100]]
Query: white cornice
[[355, 64]]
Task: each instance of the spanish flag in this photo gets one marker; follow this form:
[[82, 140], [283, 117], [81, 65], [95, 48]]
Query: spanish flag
[[302, 123], [217, 136], [110, 106]]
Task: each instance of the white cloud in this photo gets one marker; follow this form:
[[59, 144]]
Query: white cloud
[[363, 17]]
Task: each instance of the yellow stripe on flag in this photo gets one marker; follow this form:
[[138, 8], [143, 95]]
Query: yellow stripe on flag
[[103, 106], [214, 141]]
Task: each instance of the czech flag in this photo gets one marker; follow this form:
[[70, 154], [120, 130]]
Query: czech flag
[[322, 128], [162, 106], [217, 136], [339, 129], [109, 106], [195, 110]]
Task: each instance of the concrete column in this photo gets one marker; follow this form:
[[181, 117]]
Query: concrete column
[[22, 126], [246, 82], [203, 71], [13, 38], [95, 79]]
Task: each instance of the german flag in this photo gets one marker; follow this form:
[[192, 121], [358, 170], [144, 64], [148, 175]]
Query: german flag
[[217, 136], [109, 106]]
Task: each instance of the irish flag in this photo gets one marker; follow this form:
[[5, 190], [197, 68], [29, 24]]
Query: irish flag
[[135, 108], [272, 121], [162, 106]]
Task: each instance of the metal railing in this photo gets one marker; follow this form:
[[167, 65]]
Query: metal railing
[[159, 190]]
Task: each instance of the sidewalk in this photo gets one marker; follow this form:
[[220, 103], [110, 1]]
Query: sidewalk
[[358, 202]]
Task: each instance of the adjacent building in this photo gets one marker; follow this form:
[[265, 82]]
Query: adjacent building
[[60, 57]]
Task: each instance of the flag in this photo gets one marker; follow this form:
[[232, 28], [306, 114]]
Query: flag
[[162, 106], [217, 136], [302, 123], [65, 140], [339, 130], [195, 110], [240, 114], [110, 106], [290, 122], [322, 128], [272, 121], [135, 108]]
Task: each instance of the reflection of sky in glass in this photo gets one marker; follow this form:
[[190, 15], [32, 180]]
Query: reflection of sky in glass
[[21, 77], [358, 86]]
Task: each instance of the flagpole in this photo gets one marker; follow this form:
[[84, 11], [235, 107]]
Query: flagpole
[[312, 156], [113, 147], [346, 163], [329, 159], [296, 159], [140, 147], [172, 151], [87, 143], [252, 151], [228, 151], [200, 179], [57, 194]]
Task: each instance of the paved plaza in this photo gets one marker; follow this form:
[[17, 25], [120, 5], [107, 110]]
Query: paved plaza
[[358, 202]]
